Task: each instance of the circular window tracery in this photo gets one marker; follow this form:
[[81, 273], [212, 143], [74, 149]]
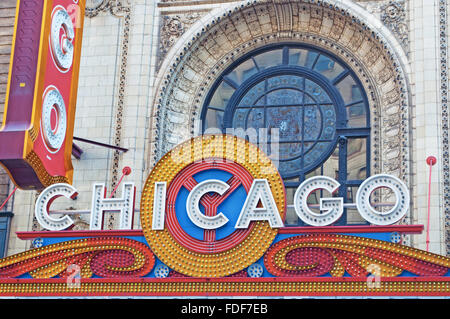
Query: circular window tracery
[[313, 99], [296, 104]]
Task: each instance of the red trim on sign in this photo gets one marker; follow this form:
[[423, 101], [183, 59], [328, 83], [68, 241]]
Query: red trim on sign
[[405, 229], [78, 233]]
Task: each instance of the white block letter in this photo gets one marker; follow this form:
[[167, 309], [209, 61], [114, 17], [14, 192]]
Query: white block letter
[[400, 191], [123, 205], [159, 206], [259, 192], [193, 201], [44, 201], [331, 209]]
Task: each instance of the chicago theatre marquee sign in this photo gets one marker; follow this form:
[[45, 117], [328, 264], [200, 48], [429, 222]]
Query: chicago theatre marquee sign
[[212, 210], [212, 214]]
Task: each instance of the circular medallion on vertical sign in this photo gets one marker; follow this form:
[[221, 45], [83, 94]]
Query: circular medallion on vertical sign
[[61, 36], [54, 119], [215, 251]]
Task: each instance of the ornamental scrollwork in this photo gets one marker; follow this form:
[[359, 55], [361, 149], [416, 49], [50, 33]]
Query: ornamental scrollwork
[[172, 28], [393, 15], [115, 7]]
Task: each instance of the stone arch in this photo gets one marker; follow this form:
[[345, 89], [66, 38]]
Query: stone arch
[[342, 28]]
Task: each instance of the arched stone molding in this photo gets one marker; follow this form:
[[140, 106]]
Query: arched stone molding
[[340, 27]]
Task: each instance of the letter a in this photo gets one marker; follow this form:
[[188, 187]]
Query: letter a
[[259, 193]]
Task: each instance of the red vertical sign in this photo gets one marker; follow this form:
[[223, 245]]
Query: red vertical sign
[[37, 132]]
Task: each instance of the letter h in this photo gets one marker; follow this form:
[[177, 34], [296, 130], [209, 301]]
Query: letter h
[[123, 205]]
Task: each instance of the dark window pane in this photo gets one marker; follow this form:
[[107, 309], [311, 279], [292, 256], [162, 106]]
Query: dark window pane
[[242, 72], [328, 67], [356, 158], [4, 224], [356, 115], [346, 88], [213, 119], [353, 216], [269, 59], [302, 57], [222, 96]]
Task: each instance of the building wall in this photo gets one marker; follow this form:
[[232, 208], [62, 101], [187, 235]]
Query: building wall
[[427, 132], [131, 52]]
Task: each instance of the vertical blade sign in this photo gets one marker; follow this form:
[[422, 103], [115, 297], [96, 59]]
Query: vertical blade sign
[[37, 132]]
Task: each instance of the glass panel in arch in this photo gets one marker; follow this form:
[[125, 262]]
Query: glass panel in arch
[[312, 120], [315, 152], [255, 96], [354, 217], [243, 71], [329, 168], [288, 151], [255, 119], [356, 115], [213, 119], [328, 67], [222, 96], [288, 120], [285, 97], [240, 118], [284, 81], [269, 59], [349, 90], [316, 93], [356, 158], [328, 122], [291, 215], [288, 168], [302, 57]]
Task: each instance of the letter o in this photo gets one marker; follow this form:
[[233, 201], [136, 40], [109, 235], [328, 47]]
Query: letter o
[[373, 216], [53, 104]]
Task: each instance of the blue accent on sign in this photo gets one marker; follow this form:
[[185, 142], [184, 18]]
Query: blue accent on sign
[[212, 174], [183, 219], [231, 208]]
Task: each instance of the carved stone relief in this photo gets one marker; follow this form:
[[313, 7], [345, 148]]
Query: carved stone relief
[[393, 15], [172, 28], [115, 7]]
